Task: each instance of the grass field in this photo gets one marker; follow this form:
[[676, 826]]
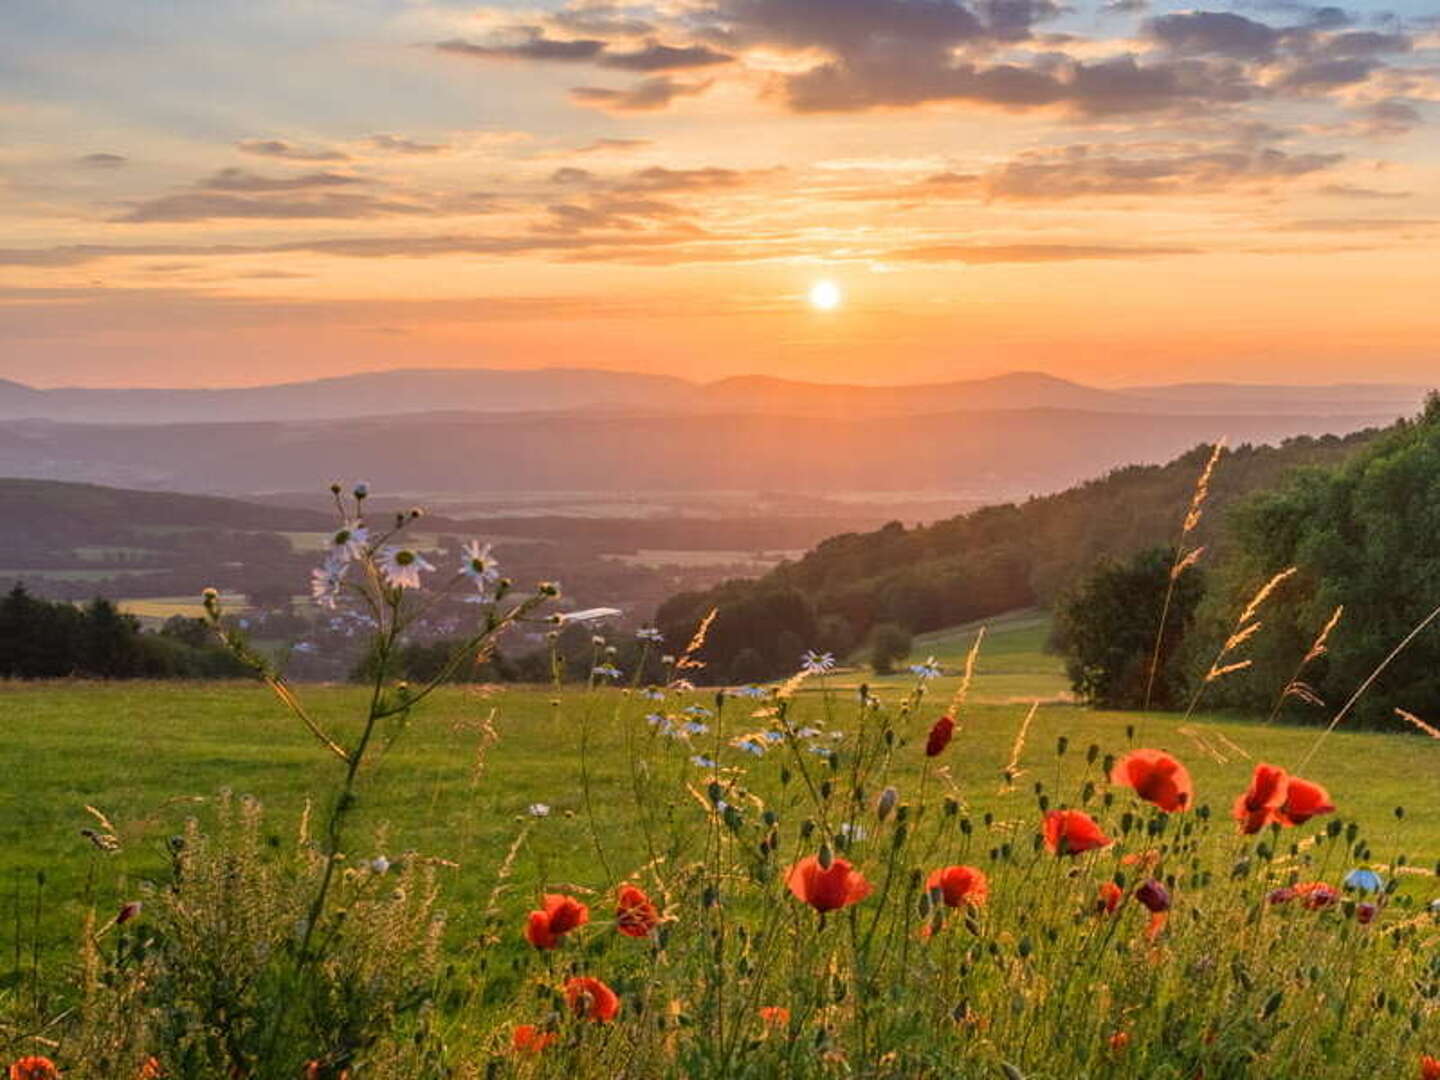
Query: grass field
[[148, 755]]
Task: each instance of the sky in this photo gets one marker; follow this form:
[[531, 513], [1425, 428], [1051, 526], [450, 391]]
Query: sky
[[233, 192]]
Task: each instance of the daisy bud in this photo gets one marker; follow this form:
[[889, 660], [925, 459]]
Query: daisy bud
[[335, 488]]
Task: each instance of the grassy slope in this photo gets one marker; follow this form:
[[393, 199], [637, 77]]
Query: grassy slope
[[133, 749]]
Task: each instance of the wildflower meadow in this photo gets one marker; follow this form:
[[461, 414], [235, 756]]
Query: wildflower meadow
[[812, 878]]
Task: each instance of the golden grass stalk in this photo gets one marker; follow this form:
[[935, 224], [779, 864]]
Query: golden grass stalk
[[1369, 681], [1415, 721], [687, 659], [1303, 691], [1246, 627], [1012, 770], [963, 689], [1184, 559]]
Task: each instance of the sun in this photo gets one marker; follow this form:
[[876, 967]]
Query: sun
[[825, 296]]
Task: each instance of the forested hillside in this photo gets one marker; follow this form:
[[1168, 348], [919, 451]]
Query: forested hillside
[[973, 566]]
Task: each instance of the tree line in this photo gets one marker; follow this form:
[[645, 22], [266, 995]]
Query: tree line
[[43, 639], [1363, 539]]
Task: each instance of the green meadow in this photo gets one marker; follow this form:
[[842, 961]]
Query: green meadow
[[459, 782]]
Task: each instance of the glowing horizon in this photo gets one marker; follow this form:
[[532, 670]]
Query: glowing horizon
[[1118, 195]]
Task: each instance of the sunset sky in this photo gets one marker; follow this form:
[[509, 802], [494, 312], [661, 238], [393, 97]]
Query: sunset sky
[[228, 192]]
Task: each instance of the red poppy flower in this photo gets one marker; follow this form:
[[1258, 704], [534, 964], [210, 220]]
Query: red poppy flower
[[1260, 803], [1109, 898], [529, 1039], [775, 1015], [635, 915], [1157, 778], [591, 999], [940, 736], [1316, 894], [1429, 1067], [1071, 832], [1365, 913], [1303, 800], [558, 917], [1119, 1041], [151, 1069], [34, 1068], [827, 890], [959, 885]]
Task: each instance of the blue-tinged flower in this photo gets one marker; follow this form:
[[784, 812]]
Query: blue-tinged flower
[[704, 762], [852, 831], [695, 710], [326, 580], [807, 733], [823, 751], [749, 692], [653, 693], [650, 635], [605, 671], [817, 663], [477, 564], [1365, 881], [927, 670], [348, 541], [694, 727], [773, 736], [750, 746]]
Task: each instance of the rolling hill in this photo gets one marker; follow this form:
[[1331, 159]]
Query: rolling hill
[[392, 393]]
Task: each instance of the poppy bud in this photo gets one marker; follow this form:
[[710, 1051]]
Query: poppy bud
[[886, 803], [827, 856], [1365, 913], [940, 736], [1154, 896]]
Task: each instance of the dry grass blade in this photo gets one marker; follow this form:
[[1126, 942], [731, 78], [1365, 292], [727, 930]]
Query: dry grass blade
[[964, 688], [1369, 681], [1220, 672], [1264, 594], [1415, 721], [687, 659], [1183, 560], [1012, 770]]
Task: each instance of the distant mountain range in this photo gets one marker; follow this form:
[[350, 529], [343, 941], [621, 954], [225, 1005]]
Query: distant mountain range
[[395, 393], [985, 455], [468, 432]]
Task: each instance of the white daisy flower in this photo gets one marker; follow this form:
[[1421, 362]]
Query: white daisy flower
[[348, 541], [326, 581], [538, 809], [402, 567], [650, 635], [817, 663], [478, 565]]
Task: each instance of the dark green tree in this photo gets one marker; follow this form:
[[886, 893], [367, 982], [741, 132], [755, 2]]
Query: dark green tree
[[889, 643], [1107, 624]]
